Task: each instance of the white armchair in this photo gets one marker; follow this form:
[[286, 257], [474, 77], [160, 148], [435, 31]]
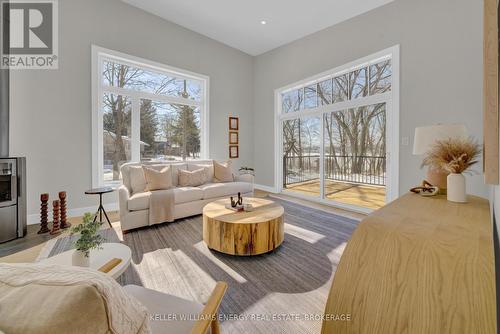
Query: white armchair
[[199, 317]]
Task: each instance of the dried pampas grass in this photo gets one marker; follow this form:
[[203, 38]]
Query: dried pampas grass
[[454, 155]]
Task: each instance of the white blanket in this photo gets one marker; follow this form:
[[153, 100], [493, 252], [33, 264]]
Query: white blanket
[[125, 314], [161, 206]]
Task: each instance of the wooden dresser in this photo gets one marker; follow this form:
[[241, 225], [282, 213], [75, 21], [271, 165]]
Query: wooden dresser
[[418, 265]]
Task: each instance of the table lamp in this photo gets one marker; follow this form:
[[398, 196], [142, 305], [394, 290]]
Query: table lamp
[[426, 136]]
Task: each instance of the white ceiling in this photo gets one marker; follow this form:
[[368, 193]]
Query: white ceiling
[[237, 23]]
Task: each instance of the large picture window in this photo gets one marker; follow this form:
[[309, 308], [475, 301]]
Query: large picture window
[[144, 111]]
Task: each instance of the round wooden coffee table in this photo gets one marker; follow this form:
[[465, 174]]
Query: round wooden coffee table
[[243, 233]]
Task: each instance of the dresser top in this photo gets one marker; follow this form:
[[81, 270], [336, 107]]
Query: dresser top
[[418, 265]]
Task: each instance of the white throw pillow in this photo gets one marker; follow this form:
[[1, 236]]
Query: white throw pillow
[[137, 179], [192, 179], [223, 172]]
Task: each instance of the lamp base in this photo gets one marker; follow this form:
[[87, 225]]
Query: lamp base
[[437, 177]]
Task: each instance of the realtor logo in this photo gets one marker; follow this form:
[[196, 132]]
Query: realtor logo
[[29, 34]]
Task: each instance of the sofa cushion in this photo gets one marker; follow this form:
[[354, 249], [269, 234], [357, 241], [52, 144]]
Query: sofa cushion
[[193, 178], [140, 201], [187, 194], [213, 190], [158, 179]]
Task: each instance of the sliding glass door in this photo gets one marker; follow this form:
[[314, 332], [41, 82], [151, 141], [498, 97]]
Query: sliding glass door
[[301, 158], [355, 156]]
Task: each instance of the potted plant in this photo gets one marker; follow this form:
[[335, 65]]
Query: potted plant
[[456, 156], [246, 170], [89, 239]]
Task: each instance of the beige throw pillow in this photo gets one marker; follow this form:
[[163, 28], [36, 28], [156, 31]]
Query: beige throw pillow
[[137, 179], [222, 172], [192, 178], [208, 168], [158, 180]]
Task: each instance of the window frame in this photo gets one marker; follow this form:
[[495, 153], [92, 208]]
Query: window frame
[[391, 98], [100, 54]]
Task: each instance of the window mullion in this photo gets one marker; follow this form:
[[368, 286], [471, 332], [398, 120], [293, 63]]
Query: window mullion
[[135, 144]]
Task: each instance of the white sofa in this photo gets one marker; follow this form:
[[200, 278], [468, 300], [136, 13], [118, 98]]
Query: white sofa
[[189, 201]]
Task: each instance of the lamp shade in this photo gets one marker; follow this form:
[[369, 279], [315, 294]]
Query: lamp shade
[[426, 136]]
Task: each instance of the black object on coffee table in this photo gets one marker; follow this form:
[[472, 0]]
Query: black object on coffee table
[[100, 210]]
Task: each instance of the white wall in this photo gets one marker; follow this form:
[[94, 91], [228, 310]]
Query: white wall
[[51, 110], [441, 72], [441, 81]]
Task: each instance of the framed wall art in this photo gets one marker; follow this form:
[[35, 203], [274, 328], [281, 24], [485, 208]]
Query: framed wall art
[[233, 151], [234, 123], [233, 137]]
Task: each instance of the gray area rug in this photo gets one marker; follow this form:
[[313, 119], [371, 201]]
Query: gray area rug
[[284, 291]]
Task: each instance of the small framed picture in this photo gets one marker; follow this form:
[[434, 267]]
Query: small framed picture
[[233, 137], [233, 123], [233, 151]]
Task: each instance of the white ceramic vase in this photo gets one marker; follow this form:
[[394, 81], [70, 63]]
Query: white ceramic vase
[[456, 188], [79, 259]]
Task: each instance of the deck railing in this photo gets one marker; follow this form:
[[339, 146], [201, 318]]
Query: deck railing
[[343, 168]]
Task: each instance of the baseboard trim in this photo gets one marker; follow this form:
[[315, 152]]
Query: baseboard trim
[[265, 188], [76, 212]]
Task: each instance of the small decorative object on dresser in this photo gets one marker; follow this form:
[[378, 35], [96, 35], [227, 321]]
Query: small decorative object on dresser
[[426, 189], [44, 208], [455, 156], [89, 239], [425, 137]]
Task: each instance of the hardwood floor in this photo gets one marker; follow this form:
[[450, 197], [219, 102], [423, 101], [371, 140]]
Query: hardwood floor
[[367, 196]]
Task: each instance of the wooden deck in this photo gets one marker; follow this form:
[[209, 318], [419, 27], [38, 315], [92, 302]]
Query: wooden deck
[[372, 197]]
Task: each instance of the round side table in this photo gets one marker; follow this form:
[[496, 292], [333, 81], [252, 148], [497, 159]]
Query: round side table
[[98, 257], [100, 210]]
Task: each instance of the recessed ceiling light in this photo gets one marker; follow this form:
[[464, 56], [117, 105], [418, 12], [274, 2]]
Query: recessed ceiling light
[[263, 22]]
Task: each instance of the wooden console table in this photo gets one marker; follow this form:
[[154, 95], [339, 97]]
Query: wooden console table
[[418, 265]]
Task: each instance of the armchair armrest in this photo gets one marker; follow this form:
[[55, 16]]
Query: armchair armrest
[[123, 196], [244, 178], [208, 316]]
